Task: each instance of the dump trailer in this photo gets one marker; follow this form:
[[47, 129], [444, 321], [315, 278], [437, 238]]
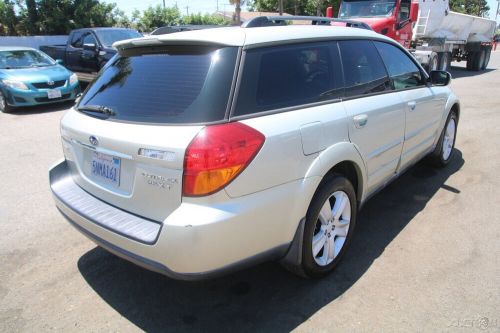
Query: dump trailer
[[433, 33]]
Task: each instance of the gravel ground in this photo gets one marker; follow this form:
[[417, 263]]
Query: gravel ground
[[425, 256]]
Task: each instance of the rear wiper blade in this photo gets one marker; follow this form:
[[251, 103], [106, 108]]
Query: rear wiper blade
[[97, 108]]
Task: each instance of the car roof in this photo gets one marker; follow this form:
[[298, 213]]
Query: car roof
[[251, 37], [17, 48]]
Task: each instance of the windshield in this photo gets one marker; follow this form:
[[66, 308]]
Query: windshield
[[24, 59], [367, 8], [108, 37], [177, 84]]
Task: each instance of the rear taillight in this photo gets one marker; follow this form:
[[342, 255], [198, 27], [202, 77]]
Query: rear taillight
[[217, 155]]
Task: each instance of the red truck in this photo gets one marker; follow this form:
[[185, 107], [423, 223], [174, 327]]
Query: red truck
[[434, 34]]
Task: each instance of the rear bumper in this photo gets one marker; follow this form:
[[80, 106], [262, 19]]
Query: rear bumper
[[194, 242]]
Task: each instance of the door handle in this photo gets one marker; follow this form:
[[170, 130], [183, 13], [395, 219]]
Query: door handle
[[412, 105], [360, 120]]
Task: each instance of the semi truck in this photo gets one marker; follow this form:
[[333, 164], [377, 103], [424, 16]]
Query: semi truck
[[428, 28]]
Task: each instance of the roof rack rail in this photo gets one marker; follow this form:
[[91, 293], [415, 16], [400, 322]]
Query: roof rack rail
[[266, 21]]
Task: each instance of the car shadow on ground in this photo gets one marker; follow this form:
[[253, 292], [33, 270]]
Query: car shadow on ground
[[266, 297], [46, 108], [460, 72]]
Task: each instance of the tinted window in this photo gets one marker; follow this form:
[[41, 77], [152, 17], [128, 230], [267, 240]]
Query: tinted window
[[403, 71], [178, 85], [77, 39], [404, 10], [89, 39], [279, 77], [364, 71]]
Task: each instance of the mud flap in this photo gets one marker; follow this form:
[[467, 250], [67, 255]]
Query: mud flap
[[292, 261]]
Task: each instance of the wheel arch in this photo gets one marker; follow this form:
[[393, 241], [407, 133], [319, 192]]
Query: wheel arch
[[344, 159], [340, 159]]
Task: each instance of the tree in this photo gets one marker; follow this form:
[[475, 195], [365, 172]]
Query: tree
[[204, 19], [471, 7], [8, 18], [154, 17], [237, 10], [295, 7]]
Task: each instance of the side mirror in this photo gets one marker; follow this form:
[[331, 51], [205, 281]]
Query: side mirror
[[414, 12], [59, 61], [89, 47], [439, 78]]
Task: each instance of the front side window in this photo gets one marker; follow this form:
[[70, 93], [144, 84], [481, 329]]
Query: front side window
[[287, 76], [89, 39], [77, 40], [364, 71], [366, 8], [171, 85], [403, 71], [404, 10]]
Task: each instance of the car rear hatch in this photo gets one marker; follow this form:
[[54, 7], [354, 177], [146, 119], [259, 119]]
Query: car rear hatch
[[125, 141]]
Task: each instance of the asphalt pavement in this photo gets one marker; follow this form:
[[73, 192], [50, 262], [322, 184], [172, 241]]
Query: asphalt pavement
[[425, 256]]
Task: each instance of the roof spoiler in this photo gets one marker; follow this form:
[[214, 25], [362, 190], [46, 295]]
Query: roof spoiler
[[267, 21]]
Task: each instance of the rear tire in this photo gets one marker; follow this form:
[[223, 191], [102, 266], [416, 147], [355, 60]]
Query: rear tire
[[4, 107], [329, 226], [475, 60], [486, 59], [471, 60], [445, 148], [433, 62], [445, 61]]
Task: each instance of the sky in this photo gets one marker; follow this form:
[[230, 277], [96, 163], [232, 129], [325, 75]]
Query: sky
[[193, 6], [209, 6]]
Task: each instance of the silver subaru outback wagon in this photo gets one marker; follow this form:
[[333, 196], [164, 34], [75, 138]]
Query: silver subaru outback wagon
[[201, 152]]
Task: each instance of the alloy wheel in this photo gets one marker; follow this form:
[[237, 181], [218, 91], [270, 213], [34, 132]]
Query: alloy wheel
[[331, 228], [449, 139]]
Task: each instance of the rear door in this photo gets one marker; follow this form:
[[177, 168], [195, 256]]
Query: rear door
[[423, 107], [377, 117], [161, 99]]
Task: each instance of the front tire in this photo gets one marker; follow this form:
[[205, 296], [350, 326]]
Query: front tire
[[4, 107], [443, 153], [329, 226]]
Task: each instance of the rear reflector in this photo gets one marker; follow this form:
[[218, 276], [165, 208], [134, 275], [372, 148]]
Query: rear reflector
[[217, 155]]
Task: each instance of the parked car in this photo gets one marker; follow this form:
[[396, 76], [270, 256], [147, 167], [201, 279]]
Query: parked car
[[89, 49], [200, 152], [30, 77]]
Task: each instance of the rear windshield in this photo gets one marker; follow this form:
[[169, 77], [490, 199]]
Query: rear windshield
[[175, 85]]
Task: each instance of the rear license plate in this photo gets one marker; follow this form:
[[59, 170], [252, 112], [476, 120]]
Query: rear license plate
[[51, 94], [106, 168]]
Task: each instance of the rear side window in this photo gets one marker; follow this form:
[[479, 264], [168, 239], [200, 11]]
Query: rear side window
[[364, 71], [174, 85], [403, 71], [286, 76]]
